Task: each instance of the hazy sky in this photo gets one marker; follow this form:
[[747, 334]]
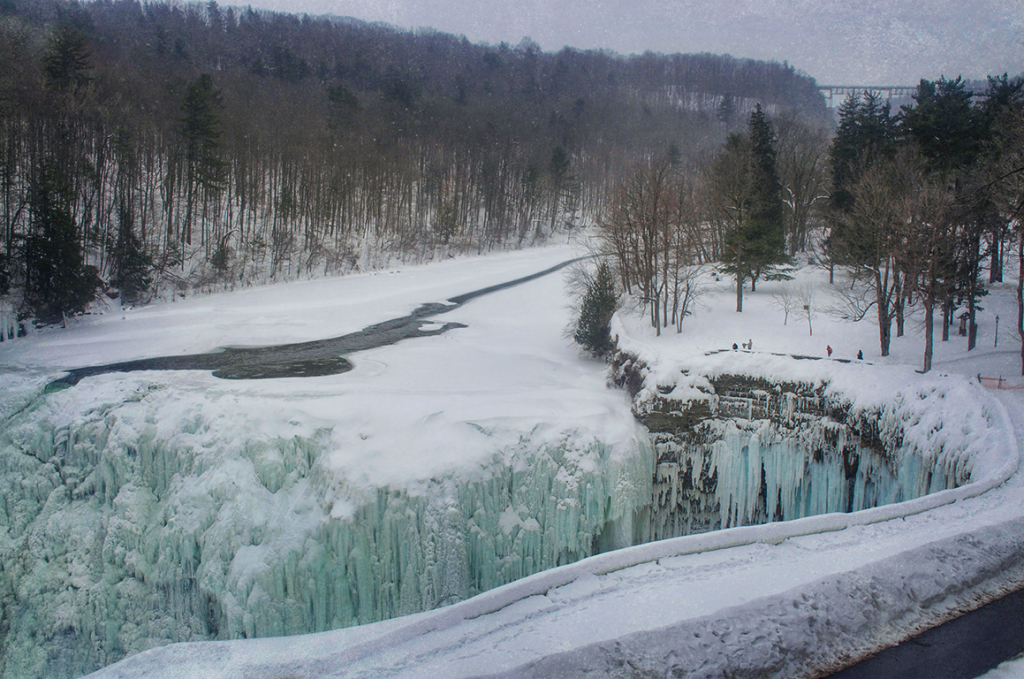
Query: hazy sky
[[839, 42]]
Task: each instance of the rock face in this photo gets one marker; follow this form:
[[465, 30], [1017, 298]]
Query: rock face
[[736, 450]]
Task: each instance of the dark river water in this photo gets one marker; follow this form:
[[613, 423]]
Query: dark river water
[[305, 359]]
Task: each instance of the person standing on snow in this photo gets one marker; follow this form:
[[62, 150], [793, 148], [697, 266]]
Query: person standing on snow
[[828, 348]]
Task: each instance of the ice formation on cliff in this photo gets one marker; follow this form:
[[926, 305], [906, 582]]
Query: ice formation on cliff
[[133, 522], [142, 513]]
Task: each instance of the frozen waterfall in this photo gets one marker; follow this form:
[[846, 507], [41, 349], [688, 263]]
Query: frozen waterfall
[[124, 530], [753, 472], [138, 518], [8, 321]]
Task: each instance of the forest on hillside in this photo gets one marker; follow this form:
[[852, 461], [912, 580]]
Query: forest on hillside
[[159, 148]]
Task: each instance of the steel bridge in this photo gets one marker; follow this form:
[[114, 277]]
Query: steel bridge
[[835, 94]]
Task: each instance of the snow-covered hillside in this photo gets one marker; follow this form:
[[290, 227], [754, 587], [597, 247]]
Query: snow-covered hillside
[[144, 508]]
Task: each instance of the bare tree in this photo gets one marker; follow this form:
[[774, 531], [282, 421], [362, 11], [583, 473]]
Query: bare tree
[[785, 298], [648, 229], [635, 229], [1008, 193], [803, 170], [870, 233], [805, 305], [927, 238]]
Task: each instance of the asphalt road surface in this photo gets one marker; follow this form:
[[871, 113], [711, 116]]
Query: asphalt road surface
[[964, 648]]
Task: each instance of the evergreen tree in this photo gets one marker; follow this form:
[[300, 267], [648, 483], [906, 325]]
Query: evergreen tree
[[866, 136], [593, 326], [950, 134], [944, 125], [758, 245], [66, 60], [343, 105], [132, 266], [57, 280], [200, 130], [845, 153], [66, 64], [727, 109]]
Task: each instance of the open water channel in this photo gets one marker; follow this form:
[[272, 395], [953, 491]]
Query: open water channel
[[305, 359]]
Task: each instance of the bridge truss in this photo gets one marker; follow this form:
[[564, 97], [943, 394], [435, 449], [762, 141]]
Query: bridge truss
[[835, 94]]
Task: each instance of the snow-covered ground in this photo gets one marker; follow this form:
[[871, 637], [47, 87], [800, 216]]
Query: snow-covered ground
[[1011, 669], [795, 597]]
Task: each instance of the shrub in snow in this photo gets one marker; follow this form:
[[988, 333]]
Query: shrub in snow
[[599, 303]]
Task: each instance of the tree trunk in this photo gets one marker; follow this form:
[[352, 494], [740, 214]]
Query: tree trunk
[[739, 292], [1020, 300], [947, 319], [900, 304], [929, 332], [972, 327], [972, 290], [884, 319], [995, 270]]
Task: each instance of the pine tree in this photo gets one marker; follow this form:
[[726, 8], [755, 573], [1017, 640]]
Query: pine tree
[[599, 303], [950, 134], [758, 245], [845, 153], [727, 109], [947, 129], [57, 280], [66, 60], [766, 212], [132, 265], [200, 129], [865, 138]]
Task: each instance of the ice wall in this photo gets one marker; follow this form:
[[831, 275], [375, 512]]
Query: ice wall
[[754, 472], [737, 450], [8, 321], [138, 521]]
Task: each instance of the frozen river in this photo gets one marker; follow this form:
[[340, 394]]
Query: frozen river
[[307, 359]]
